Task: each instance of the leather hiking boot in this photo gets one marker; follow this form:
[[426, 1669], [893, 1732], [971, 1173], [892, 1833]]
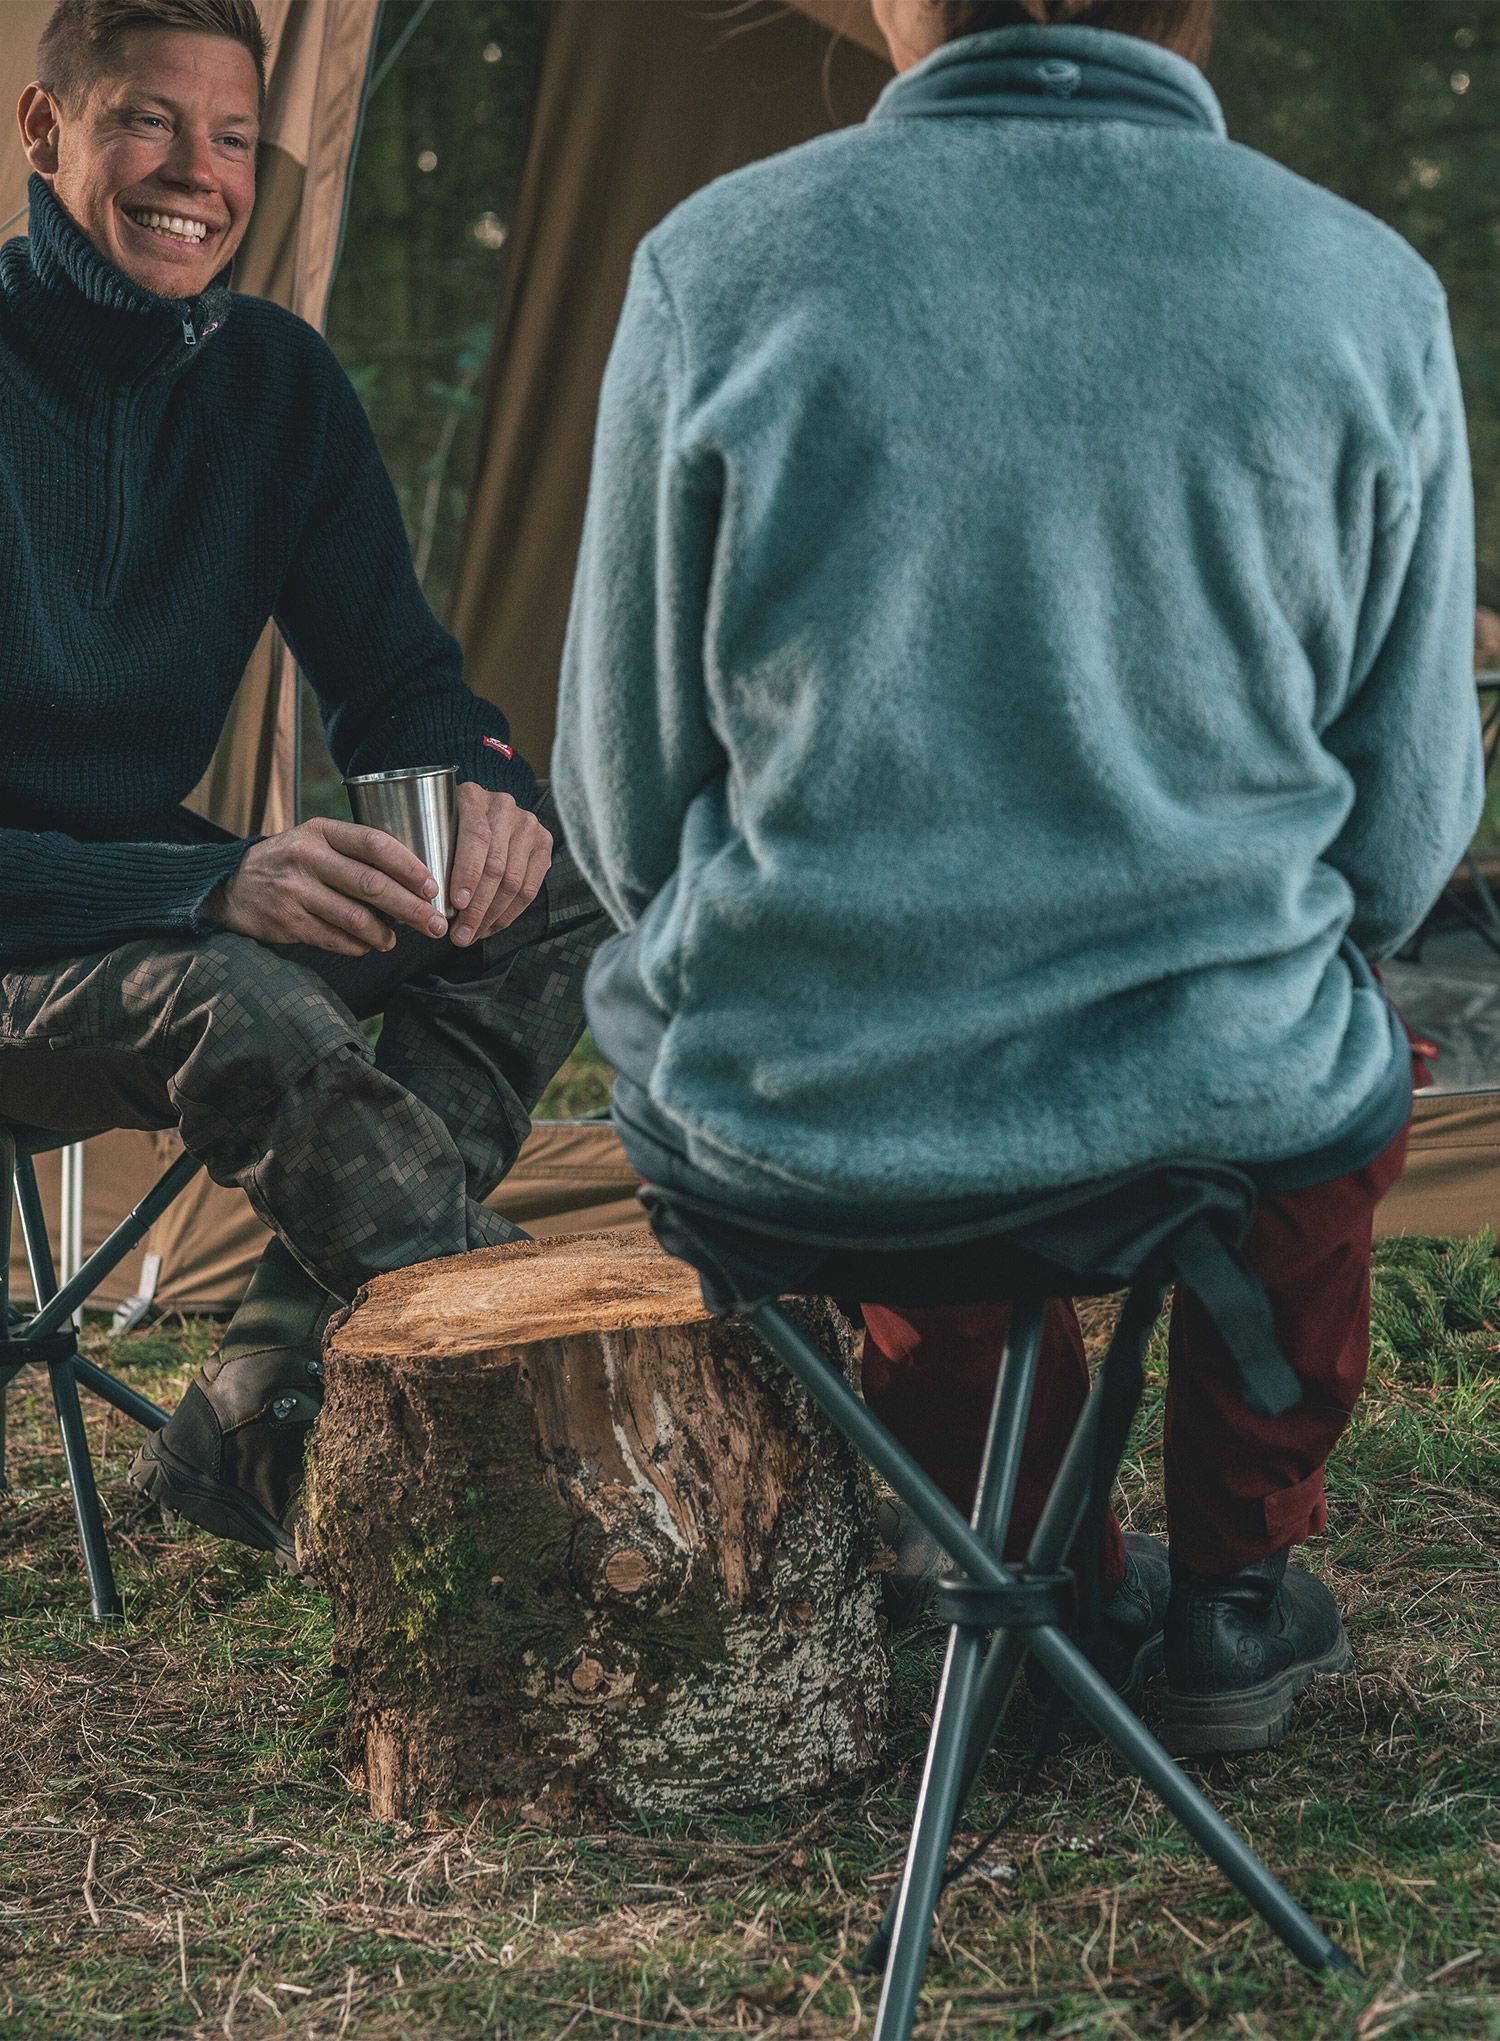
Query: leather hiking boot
[[919, 1563], [1241, 1647], [229, 1458], [1127, 1647]]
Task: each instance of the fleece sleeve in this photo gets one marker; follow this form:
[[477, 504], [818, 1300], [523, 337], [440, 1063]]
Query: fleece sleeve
[[634, 740], [1409, 733], [388, 677]]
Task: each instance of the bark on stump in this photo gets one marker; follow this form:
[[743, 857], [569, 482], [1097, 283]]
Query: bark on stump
[[589, 1549]]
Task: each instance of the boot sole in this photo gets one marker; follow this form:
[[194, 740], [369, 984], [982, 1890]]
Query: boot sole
[[212, 1505], [1226, 1725]]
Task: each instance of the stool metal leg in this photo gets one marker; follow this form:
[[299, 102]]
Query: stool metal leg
[[1097, 1699], [60, 1304], [942, 1778], [63, 1379], [1057, 1653], [96, 1563], [124, 1398], [1056, 1529], [51, 1327]]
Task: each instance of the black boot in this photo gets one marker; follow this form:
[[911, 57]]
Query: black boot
[[918, 1563], [1241, 1647], [1127, 1647], [229, 1458]]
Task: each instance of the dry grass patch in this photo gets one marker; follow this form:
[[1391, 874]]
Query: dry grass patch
[[181, 1856]]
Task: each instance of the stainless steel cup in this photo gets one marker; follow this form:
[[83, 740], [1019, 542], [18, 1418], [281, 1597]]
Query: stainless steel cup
[[419, 807]]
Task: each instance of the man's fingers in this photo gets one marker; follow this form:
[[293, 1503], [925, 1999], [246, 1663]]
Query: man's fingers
[[481, 899], [376, 892], [311, 929], [473, 846], [373, 847], [507, 908], [325, 909]]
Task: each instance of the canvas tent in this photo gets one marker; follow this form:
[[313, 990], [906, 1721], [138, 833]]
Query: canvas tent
[[636, 104]]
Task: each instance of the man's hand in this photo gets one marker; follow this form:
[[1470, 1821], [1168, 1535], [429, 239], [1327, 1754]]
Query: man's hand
[[328, 884], [501, 858]]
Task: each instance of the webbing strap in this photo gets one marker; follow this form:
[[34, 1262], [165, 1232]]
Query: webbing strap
[[1122, 1381], [1241, 1311]]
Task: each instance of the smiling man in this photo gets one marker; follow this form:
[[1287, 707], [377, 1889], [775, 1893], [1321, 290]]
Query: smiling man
[[179, 465]]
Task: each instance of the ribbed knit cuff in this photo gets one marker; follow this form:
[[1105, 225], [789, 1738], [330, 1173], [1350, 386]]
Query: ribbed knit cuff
[[61, 898]]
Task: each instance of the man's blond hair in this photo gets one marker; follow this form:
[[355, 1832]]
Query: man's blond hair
[[78, 40]]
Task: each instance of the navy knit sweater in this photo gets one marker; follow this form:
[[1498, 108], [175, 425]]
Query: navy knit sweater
[[172, 473]]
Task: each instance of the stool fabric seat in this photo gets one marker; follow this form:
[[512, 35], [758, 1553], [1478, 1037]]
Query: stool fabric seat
[[1141, 1231], [1182, 1221]]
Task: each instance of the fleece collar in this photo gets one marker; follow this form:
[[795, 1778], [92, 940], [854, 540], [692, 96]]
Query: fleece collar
[[1056, 74], [70, 298]]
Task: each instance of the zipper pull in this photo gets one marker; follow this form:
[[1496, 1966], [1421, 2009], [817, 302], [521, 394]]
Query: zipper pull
[[190, 338]]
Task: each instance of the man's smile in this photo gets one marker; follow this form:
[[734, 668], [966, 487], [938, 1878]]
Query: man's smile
[[164, 226]]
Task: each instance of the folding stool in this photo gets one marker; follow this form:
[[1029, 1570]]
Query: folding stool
[[1143, 1230], [48, 1338]]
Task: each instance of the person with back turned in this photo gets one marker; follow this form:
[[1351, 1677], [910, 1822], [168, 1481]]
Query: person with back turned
[[1019, 675]]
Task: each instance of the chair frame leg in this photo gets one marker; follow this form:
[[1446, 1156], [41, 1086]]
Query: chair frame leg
[[942, 1788], [59, 1342], [967, 1732], [53, 1341], [96, 1562]]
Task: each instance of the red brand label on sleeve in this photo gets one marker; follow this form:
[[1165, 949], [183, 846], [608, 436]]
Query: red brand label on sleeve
[[494, 744]]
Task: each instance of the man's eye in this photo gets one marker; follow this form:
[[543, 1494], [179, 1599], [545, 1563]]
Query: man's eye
[[144, 118]]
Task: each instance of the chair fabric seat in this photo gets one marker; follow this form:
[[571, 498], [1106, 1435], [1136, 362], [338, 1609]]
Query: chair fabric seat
[[41, 1140], [1180, 1221]]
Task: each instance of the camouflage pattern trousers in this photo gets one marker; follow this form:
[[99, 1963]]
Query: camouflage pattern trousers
[[361, 1159]]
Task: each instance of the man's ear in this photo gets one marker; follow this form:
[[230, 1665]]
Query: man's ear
[[39, 120]]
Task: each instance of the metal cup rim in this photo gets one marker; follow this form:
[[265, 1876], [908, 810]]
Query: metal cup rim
[[404, 772]]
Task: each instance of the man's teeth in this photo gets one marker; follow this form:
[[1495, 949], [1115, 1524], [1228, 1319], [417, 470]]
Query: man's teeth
[[169, 223]]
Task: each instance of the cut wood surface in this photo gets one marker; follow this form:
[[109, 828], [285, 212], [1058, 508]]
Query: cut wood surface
[[588, 1548]]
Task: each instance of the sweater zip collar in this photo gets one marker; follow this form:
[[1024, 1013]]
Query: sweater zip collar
[[73, 301], [1056, 73]]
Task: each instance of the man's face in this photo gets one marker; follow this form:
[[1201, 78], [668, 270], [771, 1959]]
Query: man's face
[[157, 163]]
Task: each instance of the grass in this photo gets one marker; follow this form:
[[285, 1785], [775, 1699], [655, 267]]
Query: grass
[[180, 1855], [581, 1086]]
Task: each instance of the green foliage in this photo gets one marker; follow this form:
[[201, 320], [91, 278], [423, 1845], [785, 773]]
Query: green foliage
[[1435, 1308], [1393, 105], [580, 1088], [435, 182]]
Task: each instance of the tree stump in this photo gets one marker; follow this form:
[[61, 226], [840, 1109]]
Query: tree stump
[[589, 1550]]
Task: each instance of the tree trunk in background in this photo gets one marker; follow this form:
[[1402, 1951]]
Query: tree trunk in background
[[589, 1550]]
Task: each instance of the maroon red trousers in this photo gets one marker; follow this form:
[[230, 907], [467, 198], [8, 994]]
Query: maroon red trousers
[[1238, 1486]]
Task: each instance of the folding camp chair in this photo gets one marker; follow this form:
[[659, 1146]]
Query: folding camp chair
[[49, 1339], [1142, 1230]]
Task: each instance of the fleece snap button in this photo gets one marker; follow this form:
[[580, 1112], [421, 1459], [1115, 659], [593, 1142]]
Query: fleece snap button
[[1059, 77]]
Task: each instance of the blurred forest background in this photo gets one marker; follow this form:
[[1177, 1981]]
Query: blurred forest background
[[1393, 103]]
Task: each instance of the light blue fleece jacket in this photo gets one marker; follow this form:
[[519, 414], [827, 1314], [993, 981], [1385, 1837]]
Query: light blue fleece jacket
[[1023, 625]]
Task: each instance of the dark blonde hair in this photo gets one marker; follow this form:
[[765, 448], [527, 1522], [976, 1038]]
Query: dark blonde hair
[[1186, 26], [80, 35]]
